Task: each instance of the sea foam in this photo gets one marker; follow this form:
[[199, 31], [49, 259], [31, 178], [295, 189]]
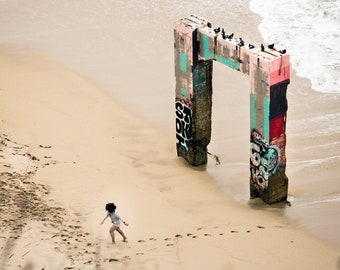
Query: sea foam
[[310, 31]]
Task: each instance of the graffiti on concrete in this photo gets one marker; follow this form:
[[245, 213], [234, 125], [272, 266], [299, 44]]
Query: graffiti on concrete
[[183, 125], [264, 160]]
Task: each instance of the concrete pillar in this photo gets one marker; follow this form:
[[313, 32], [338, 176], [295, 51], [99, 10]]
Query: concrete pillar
[[270, 76], [196, 45], [193, 93]]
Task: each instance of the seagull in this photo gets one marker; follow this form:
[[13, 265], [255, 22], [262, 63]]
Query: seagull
[[241, 42], [230, 36], [262, 48], [271, 46], [209, 24], [251, 46], [223, 33], [283, 51], [217, 30]]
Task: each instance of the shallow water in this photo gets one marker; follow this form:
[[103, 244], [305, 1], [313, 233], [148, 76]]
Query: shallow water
[[310, 30]]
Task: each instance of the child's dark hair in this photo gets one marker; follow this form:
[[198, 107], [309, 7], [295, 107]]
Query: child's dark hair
[[110, 207]]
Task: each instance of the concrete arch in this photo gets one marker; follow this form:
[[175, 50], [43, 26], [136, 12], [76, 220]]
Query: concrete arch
[[196, 46]]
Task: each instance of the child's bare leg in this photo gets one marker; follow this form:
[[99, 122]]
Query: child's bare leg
[[112, 233], [121, 233]]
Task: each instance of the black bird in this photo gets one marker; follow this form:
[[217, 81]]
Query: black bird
[[241, 42], [283, 51], [209, 24], [251, 46], [262, 48], [223, 33], [217, 30], [230, 36], [271, 46]]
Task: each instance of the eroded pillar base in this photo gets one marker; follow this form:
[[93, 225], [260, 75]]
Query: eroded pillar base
[[276, 191]]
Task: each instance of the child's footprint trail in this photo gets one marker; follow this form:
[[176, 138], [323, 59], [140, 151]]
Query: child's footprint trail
[[204, 232], [145, 248]]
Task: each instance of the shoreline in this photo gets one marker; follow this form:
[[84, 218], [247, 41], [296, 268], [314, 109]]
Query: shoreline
[[97, 151]]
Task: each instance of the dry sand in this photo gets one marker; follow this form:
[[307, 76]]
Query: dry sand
[[67, 148]]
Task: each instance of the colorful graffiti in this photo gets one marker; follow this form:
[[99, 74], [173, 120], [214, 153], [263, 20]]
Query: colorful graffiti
[[183, 125], [264, 160]]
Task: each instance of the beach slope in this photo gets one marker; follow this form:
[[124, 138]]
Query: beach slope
[[67, 148]]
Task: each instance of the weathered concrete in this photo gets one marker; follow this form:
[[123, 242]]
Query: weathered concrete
[[196, 45], [193, 95]]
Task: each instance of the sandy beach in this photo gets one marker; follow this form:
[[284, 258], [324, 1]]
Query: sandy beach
[[87, 118], [68, 148]]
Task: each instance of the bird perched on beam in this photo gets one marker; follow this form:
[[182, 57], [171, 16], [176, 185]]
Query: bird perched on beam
[[230, 36], [223, 33], [241, 42], [217, 30], [271, 46]]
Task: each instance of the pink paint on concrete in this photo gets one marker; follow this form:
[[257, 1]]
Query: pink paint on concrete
[[279, 70]]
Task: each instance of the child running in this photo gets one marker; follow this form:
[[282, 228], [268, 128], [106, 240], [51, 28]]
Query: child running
[[116, 222]]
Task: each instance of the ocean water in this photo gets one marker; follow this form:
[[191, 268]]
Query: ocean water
[[310, 31]]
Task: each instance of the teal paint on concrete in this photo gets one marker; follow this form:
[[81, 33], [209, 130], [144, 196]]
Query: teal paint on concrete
[[199, 77], [183, 62], [266, 119], [252, 113], [183, 93], [227, 62], [205, 45]]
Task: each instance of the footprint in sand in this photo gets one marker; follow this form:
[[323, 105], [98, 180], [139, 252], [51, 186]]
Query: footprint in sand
[[126, 258], [260, 227], [42, 146]]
